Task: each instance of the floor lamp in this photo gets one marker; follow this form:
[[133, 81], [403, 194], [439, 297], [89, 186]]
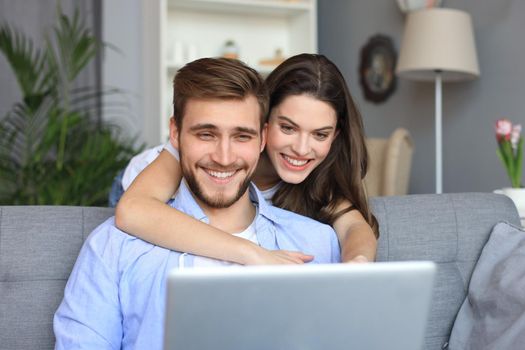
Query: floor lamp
[[438, 45]]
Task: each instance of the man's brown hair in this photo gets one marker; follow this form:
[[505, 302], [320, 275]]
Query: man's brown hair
[[220, 78]]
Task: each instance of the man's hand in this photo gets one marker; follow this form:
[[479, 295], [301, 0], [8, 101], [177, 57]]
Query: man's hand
[[358, 259], [278, 257]]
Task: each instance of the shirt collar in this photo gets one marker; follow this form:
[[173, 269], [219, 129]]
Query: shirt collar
[[185, 202], [264, 208]]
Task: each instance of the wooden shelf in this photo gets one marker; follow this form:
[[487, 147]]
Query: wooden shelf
[[267, 7]]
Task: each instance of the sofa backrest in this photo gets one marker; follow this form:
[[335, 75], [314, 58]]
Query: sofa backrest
[[449, 229], [39, 245]]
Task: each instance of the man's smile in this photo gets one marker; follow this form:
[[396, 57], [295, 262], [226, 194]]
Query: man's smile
[[221, 177]]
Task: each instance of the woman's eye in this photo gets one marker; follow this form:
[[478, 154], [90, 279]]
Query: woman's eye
[[286, 128], [321, 136]]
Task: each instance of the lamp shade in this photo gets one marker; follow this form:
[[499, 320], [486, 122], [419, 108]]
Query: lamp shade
[[438, 39]]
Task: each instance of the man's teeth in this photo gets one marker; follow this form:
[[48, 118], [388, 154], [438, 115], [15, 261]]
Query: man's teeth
[[221, 174], [295, 162]]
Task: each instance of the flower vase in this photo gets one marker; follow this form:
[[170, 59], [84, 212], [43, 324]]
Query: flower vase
[[518, 197]]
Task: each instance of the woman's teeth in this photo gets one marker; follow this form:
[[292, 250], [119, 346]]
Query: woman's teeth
[[295, 162]]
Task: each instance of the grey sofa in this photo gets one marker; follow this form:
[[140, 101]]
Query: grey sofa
[[39, 245]]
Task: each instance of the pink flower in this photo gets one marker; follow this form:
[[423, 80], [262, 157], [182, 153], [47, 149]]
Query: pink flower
[[515, 136], [510, 149], [503, 129]]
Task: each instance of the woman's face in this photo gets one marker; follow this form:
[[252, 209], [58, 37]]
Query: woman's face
[[301, 130]]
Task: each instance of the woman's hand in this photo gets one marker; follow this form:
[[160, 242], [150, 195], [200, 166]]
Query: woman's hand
[[278, 257], [359, 259]]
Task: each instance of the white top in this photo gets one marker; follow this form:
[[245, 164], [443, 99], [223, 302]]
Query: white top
[[200, 261], [268, 194], [173, 151], [142, 160]]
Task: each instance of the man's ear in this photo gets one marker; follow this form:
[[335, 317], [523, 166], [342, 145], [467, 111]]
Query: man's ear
[[174, 133], [264, 132]]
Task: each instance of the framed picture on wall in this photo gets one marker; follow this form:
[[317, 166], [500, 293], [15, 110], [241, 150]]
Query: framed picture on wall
[[377, 68]]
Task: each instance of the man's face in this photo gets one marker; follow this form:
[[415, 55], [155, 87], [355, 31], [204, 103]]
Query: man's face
[[219, 143]]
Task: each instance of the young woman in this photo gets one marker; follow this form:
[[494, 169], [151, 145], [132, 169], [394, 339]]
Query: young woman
[[314, 163]]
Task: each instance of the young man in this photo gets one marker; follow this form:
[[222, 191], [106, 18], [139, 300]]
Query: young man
[[115, 296]]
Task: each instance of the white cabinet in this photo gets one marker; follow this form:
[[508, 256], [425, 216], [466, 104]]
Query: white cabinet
[[179, 31]]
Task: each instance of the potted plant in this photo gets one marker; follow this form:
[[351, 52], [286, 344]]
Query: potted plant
[[53, 148], [510, 152]]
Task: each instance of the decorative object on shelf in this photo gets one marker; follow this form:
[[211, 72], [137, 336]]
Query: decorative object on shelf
[[176, 53], [180, 53], [438, 45], [191, 53], [510, 149], [376, 69], [276, 60], [413, 5], [230, 50]]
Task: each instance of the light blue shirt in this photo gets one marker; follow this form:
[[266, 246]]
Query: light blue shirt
[[116, 294]]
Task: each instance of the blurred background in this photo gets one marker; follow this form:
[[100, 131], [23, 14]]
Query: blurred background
[[147, 41]]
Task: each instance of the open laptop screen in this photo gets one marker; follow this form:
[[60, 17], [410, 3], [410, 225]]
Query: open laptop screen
[[317, 307]]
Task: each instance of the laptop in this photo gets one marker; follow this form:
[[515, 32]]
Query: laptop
[[299, 307]]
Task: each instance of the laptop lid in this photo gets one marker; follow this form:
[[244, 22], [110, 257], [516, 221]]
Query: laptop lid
[[318, 307]]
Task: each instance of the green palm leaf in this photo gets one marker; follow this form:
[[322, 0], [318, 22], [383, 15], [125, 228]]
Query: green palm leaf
[[27, 64], [52, 148]]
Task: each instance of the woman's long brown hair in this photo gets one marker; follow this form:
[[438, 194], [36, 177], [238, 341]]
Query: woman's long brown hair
[[340, 176]]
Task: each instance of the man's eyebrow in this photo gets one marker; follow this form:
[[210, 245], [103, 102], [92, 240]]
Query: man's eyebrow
[[198, 127], [246, 130], [282, 117], [238, 129]]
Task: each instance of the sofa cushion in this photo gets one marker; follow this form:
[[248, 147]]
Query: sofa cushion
[[38, 247], [492, 316]]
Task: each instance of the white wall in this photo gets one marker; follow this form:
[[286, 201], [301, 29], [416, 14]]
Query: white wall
[[127, 67], [121, 29]]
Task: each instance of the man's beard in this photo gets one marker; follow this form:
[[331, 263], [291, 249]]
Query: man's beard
[[218, 201]]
